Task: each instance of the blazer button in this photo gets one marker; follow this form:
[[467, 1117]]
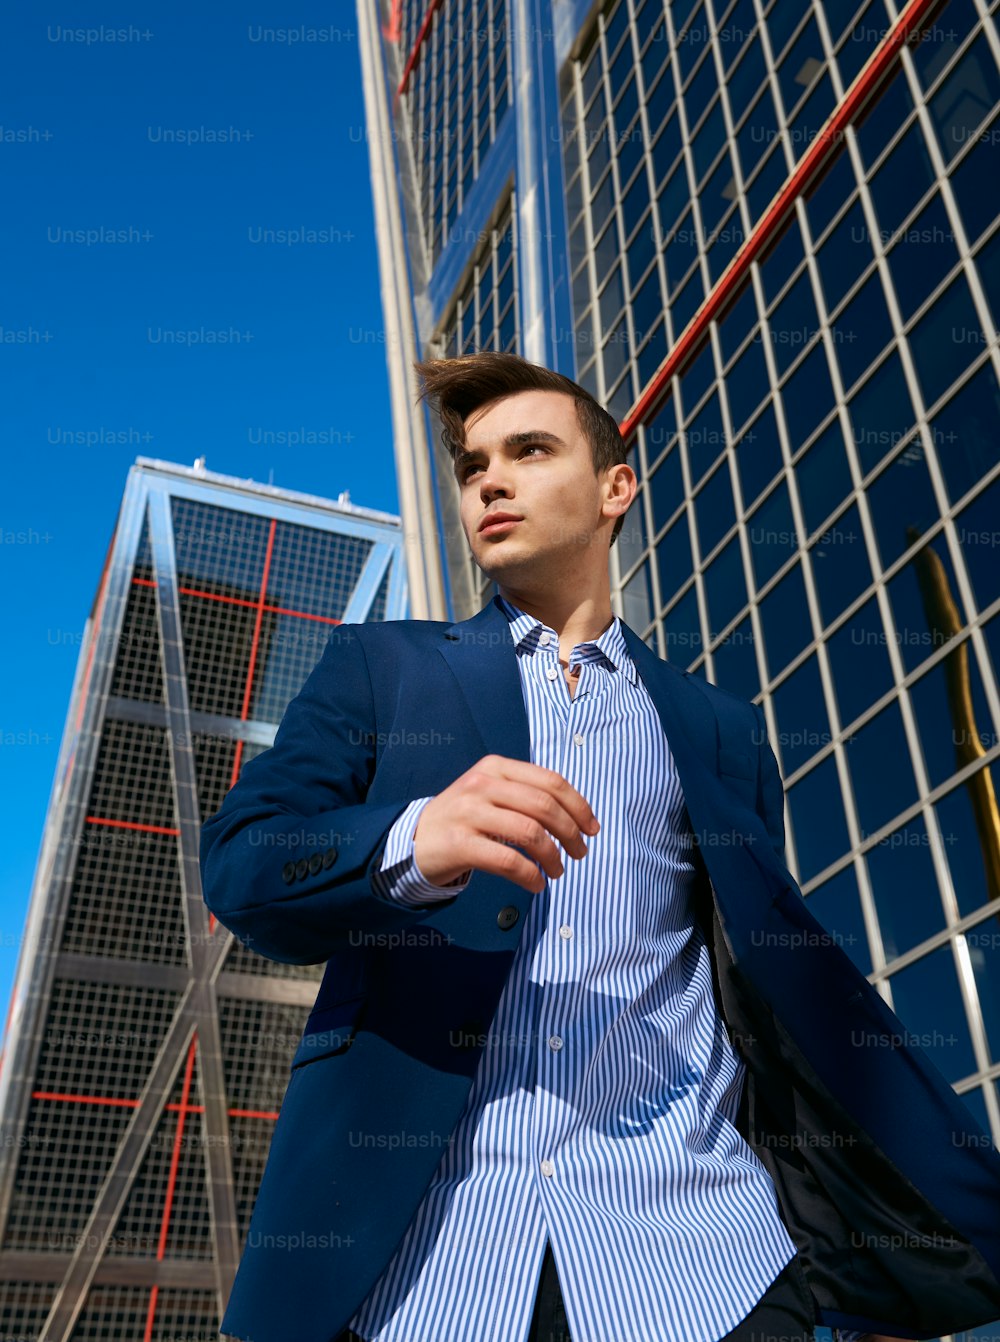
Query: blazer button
[[329, 858], [302, 868], [288, 873], [507, 917], [316, 863]]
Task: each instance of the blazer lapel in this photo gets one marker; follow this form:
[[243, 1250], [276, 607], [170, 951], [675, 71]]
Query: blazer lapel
[[480, 652]]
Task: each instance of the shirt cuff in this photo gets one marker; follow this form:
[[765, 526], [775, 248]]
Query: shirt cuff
[[399, 879]]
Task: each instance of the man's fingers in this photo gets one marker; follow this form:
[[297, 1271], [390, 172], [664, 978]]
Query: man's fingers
[[545, 780], [526, 815]]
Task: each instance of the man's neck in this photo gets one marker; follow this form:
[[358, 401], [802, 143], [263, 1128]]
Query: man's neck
[[574, 619]]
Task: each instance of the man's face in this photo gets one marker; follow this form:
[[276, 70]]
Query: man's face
[[526, 455]]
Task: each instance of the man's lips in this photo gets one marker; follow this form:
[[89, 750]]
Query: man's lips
[[497, 522]]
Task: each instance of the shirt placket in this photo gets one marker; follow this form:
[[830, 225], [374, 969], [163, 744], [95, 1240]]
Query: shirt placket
[[557, 956]]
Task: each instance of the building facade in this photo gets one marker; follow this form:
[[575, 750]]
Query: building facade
[[764, 234], [147, 1050]]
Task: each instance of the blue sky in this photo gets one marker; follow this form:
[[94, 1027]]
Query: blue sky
[[89, 382]]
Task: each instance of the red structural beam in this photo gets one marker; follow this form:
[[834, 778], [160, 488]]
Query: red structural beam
[[414, 56], [130, 824], [168, 1201], [813, 161], [130, 1104], [242, 601]]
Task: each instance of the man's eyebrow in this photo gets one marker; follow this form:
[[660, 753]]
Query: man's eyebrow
[[511, 440]]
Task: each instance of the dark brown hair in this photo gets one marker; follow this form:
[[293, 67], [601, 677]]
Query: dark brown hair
[[458, 387]]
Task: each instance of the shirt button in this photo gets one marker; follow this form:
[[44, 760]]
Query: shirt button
[[578, 739], [552, 672], [555, 1043], [544, 638], [548, 1169], [565, 931]]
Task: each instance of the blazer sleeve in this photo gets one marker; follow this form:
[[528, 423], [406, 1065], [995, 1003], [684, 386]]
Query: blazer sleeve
[[288, 860]]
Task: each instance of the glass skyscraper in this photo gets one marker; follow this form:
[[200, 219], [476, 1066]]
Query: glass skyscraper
[[764, 235], [148, 1049]]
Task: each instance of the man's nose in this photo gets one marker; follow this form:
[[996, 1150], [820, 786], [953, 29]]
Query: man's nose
[[494, 482]]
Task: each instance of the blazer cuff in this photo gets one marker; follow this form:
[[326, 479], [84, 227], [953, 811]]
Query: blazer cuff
[[399, 880]]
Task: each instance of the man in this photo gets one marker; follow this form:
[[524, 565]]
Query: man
[[619, 1096]]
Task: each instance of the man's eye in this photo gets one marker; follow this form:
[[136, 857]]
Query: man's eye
[[474, 466]]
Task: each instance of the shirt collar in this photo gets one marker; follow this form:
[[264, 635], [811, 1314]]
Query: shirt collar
[[526, 630]]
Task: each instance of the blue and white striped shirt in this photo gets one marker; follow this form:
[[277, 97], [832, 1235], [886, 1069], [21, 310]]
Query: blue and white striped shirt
[[601, 1117]]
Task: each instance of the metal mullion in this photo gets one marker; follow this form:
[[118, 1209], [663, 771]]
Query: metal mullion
[[588, 219], [741, 529], [654, 575], [772, 79], [888, 620], [970, 270], [654, 213], [687, 154], [742, 210]]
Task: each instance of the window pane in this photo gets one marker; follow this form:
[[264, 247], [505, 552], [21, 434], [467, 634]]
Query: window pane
[[881, 412], [817, 822], [928, 1002], [736, 323], [902, 502], [883, 117], [844, 255], [969, 846], [965, 433], [736, 662], [824, 476], [967, 95], [715, 511], [930, 567], [758, 456], [862, 331], [922, 257], [905, 888], [830, 193], [725, 588], [803, 725], [704, 438], [794, 324], [977, 535], [905, 176], [859, 662], [637, 600], [682, 630], [836, 905], [945, 340], [674, 563], [785, 622], [950, 740], [697, 379], [772, 535], [747, 383], [880, 767], [660, 430], [971, 182], [840, 564], [807, 397]]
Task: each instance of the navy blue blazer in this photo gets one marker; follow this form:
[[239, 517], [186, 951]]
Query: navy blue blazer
[[887, 1185]]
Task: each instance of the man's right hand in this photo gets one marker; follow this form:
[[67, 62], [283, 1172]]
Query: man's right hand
[[497, 803]]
